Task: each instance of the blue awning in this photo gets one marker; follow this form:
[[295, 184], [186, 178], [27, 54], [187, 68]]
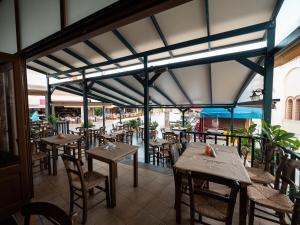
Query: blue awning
[[239, 113]]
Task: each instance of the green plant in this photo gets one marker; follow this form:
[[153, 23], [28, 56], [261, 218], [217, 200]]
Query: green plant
[[98, 111], [154, 125], [134, 124], [52, 119], [246, 132], [276, 136], [90, 124]]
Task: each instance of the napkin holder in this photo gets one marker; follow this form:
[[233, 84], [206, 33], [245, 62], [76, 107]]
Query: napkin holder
[[209, 151]]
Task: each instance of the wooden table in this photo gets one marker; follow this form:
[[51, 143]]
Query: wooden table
[[112, 157], [54, 141], [227, 165], [112, 136], [157, 144]]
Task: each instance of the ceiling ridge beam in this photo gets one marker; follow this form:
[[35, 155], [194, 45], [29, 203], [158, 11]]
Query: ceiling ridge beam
[[79, 57], [165, 42], [252, 65]]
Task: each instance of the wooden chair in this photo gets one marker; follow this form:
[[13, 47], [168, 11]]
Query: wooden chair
[[211, 204], [163, 131], [126, 127], [51, 212], [120, 137], [43, 158], [171, 137], [275, 198], [129, 136], [164, 154], [262, 175], [81, 183], [102, 140], [152, 134], [245, 152]]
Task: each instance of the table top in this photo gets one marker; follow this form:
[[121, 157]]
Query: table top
[[113, 155], [158, 142], [226, 164], [68, 138]]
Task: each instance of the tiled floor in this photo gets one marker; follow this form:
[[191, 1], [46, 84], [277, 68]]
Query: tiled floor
[[151, 203]]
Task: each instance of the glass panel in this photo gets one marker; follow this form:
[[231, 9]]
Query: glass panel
[[8, 128]]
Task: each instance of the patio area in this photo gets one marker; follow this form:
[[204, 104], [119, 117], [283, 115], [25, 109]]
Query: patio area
[[115, 156]]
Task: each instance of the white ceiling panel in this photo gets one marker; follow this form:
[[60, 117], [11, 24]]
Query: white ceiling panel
[[110, 44], [143, 37], [122, 88], [182, 23], [53, 63], [38, 66], [87, 53], [68, 59], [166, 84], [233, 14], [227, 79], [195, 81]]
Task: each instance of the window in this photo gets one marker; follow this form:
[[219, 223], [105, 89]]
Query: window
[[297, 109], [289, 109]]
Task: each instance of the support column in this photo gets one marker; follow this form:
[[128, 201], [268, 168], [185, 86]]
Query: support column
[[231, 120], [49, 108], [268, 78], [85, 101], [103, 117], [146, 110], [120, 114]]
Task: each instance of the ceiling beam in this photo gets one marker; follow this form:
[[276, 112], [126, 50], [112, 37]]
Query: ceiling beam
[[248, 80], [252, 66], [164, 40], [193, 42], [164, 94], [123, 40], [117, 91], [36, 70], [80, 58], [51, 67], [60, 61], [209, 48], [107, 57]]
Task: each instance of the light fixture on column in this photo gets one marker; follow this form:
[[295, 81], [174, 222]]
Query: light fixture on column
[[256, 94]]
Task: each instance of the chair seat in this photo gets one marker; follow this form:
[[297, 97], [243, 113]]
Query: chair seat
[[258, 175], [91, 179], [211, 208], [270, 198], [38, 156]]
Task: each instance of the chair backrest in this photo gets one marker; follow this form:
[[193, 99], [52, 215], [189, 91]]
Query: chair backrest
[[75, 173], [229, 199], [129, 136], [62, 127], [120, 137], [51, 212], [174, 153], [102, 140], [171, 136], [153, 134], [284, 173], [126, 127], [245, 151]]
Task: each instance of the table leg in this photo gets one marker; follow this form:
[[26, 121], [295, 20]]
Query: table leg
[[135, 169], [178, 198], [112, 183], [243, 205], [90, 169], [54, 159], [79, 149]]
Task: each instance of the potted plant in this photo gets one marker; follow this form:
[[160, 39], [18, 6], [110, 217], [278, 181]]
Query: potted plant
[[153, 125], [52, 119], [90, 124], [277, 137]]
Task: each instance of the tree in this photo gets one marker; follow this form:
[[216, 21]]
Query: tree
[[98, 111]]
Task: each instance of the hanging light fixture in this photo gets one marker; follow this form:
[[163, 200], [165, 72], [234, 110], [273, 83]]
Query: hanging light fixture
[[256, 94]]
